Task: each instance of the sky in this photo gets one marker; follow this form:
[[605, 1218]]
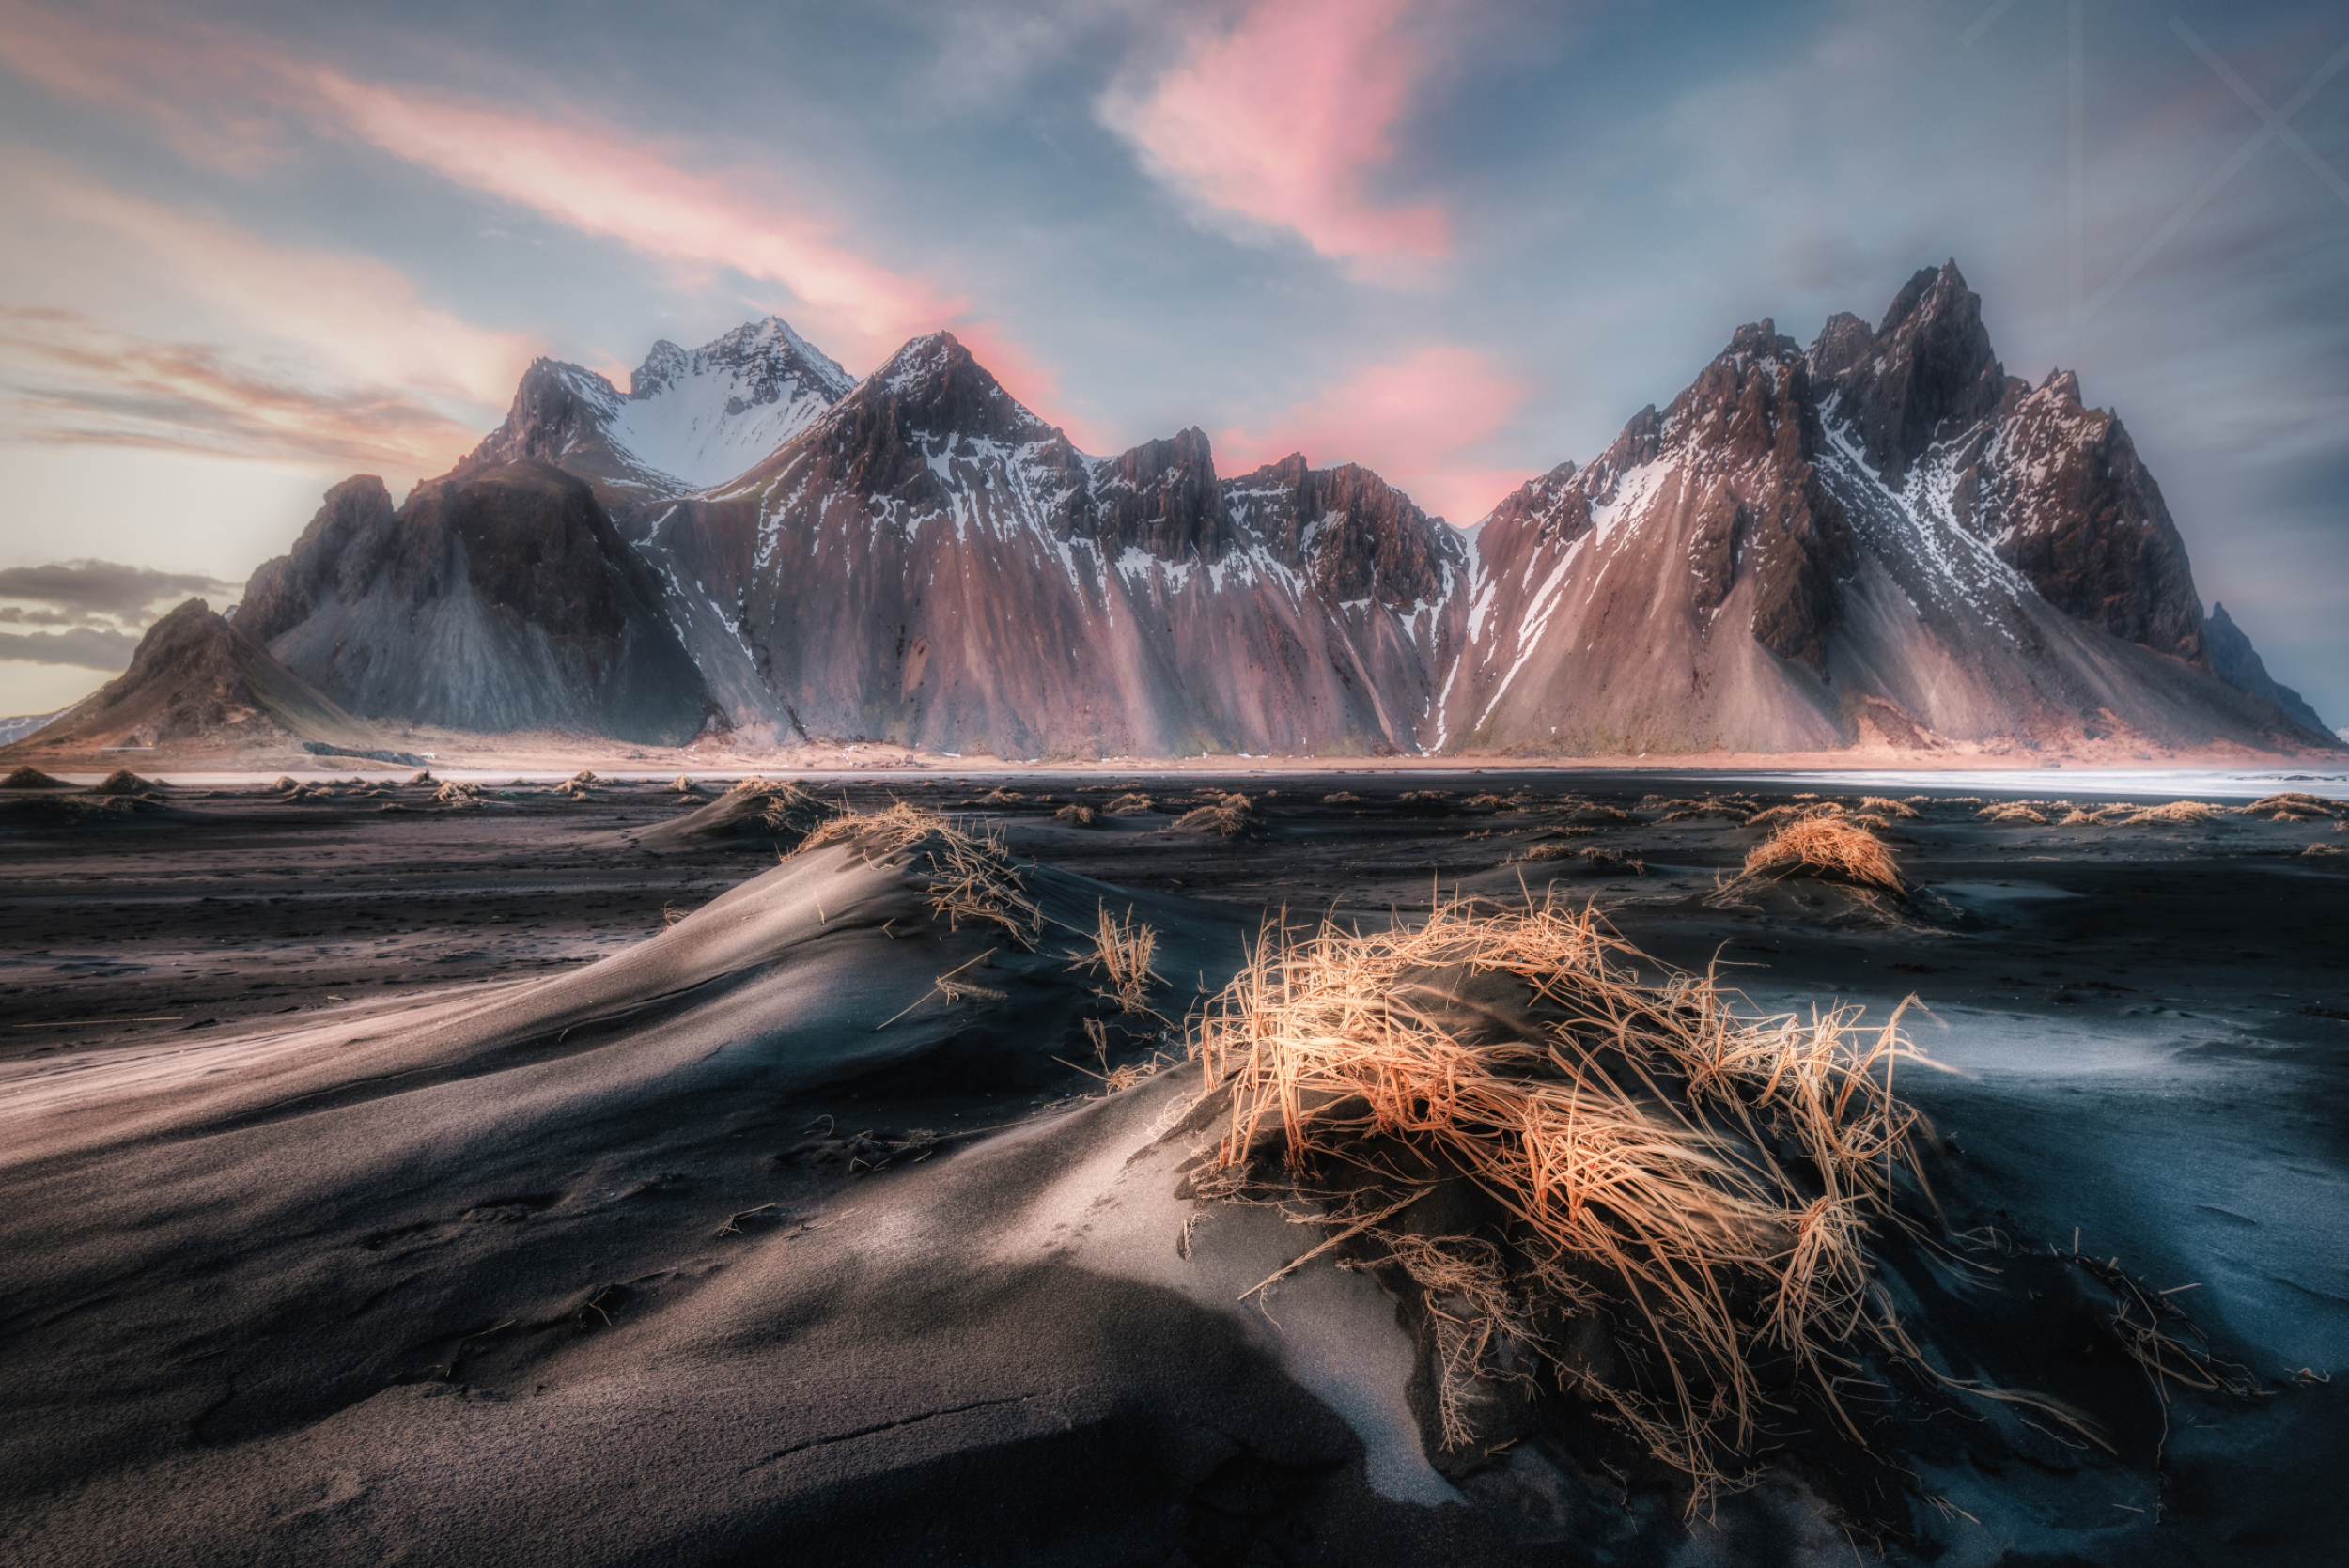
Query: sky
[[252, 252]]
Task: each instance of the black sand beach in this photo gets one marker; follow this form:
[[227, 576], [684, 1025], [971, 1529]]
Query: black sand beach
[[391, 1179]]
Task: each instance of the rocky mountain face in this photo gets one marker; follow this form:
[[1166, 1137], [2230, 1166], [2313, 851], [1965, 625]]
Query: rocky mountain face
[[2235, 661], [1881, 540], [198, 682], [500, 599], [934, 564]]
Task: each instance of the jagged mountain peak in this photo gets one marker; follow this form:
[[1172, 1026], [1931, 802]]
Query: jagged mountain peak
[[768, 359], [933, 387], [691, 419], [1926, 373]]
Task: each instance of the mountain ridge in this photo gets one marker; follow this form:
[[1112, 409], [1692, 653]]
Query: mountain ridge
[[1880, 540]]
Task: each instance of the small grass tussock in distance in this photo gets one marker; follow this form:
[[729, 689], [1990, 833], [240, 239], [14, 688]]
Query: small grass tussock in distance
[[2013, 811], [2175, 814], [1883, 806], [1229, 815], [2294, 808]]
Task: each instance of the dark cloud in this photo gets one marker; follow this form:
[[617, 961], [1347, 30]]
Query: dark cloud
[[85, 647], [81, 593]]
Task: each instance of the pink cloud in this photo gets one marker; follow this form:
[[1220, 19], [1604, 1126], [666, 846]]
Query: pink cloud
[[1415, 421], [602, 182], [231, 98], [78, 382], [1283, 120]]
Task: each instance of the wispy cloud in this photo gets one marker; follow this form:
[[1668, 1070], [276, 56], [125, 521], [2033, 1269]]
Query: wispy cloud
[[82, 649], [1418, 421], [68, 379], [603, 181], [231, 97], [88, 592], [1285, 120]]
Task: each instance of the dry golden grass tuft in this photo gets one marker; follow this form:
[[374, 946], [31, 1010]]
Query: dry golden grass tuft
[[1078, 816], [1230, 815], [2176, 813], [683, 785], [1701, 1183], [1777, 817], [1129, 805], [459, 795], [1123, 951], [971, 877], [2013, 811], [1342, 798], [1826, 847], [33, 778], [1886, 807], [2326, 850], [2294, 808]]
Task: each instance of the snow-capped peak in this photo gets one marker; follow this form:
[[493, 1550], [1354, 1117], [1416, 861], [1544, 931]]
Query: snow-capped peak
[[704, 416]]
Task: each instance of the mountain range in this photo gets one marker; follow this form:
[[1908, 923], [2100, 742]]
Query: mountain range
[[1880, 540]]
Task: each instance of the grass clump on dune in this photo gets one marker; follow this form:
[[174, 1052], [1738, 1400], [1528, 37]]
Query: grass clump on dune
[[1683, 1198], [2176, 813], [1229, 816], [31, 778], [1827, 848], [2292, 808], [971, 875], [1885, 806], [2013, 811], [1122, 953]]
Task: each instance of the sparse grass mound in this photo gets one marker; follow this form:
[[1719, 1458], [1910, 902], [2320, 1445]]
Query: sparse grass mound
[[776, 810], [1586, 812], [1129, 805], [458, 795], [2176, 814], [2011, 812], [32, 778], [683, 785], [1231, 816], [2327, 851], [1682, 1199], [1884, 806], [1078, 815], [123, 782], [970, 875], [1706, 810], [1121, 954], [1603, 863], [424, 777], [1342, 798], [2291, 808], [1828, 849]]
